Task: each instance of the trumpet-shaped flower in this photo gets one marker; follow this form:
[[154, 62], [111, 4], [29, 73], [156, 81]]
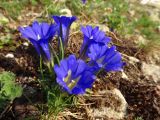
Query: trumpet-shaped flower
[[73, 75], [64, 24], [84, 1], [92, 35], [103, 57], [39, 35]]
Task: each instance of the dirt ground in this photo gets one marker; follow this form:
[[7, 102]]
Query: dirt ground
[[141, 93]]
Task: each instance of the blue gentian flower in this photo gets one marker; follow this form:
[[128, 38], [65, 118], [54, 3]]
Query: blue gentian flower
[[39, 35], [84, 1], [104, 57], [92, 35], [73, 75], [64, 24]]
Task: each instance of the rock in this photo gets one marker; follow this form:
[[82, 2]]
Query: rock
[[26, 44], [9, 55], [124, 76], [153, 56], [151, 70], [111, 105], [152, 7], [155, 3]]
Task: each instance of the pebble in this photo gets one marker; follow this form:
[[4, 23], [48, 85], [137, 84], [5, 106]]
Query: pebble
[[133, 60], [9, 55], [124, 76], [26, 44]]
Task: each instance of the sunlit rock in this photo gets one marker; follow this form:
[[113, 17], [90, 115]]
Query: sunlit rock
[[151, 70], [112, 106]]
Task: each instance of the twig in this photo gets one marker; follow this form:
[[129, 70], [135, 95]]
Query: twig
[[74, 33], [69, 113], [114, 36], [6, 109], [85, 104]]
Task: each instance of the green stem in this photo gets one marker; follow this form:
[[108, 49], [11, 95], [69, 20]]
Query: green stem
[[52, 62], [49, 68], [41, 67], [99, 71], [61, 48], [55, 54]]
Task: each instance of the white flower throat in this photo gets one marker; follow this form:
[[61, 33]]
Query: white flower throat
[[71, 83], [38, 36]]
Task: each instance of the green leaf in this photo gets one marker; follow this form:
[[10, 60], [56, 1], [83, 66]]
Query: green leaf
[[9, 90]]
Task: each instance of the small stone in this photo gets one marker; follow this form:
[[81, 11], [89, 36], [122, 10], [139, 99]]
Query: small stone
[[9, 55], [155, 3], [26, 44], [133, 60], [124, 76], [154, 56]]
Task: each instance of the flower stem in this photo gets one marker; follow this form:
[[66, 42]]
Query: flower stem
[[57, 58], [61, 48], [99, 71], [41, 68]]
